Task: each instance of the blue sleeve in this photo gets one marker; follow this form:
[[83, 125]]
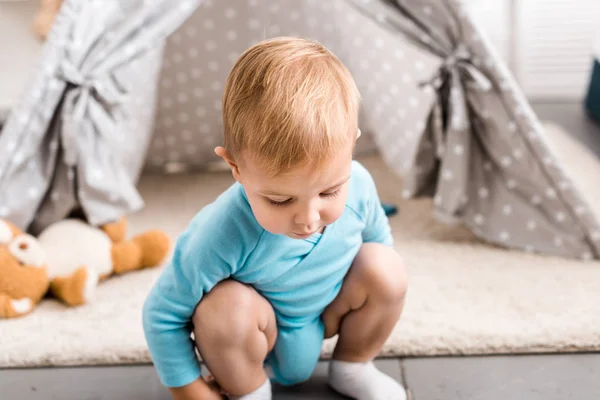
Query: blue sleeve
[[377, 227], [201, 260]]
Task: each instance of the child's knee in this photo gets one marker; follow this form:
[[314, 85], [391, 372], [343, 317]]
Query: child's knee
[[227, 314], [381, 271]]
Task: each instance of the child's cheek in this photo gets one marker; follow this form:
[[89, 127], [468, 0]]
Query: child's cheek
[[338, 208], [338, 211], [271, 220]]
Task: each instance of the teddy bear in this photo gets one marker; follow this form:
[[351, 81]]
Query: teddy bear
[[45, 16], [67, 260]]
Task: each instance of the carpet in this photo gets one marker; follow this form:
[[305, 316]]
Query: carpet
[[465, 297]]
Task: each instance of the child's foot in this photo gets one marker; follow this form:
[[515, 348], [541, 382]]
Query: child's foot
[[262, 393], [363, 381]]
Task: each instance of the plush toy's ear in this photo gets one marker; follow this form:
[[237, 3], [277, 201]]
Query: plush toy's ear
[[27, 250]]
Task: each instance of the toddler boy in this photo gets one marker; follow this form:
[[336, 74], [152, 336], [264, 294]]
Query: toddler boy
[[298, 249]]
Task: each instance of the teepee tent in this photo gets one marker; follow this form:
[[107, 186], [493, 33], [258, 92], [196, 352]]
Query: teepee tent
[[482, 153], [438, 104]]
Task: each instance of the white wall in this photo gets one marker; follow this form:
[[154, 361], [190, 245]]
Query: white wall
[[19, 49], [553, 46]]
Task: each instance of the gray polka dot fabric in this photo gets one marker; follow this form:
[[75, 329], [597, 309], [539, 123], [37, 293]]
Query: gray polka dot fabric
[[437, 103], [78, 137]]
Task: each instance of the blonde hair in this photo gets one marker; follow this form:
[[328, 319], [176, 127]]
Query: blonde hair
[[287, 102]]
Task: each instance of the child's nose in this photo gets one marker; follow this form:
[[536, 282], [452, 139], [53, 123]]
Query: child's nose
[[308, 218]]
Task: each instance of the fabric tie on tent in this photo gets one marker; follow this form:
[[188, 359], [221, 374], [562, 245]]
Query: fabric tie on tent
[[86, 100], [457, 65], [483, 163], [93, 130], [455, 71]]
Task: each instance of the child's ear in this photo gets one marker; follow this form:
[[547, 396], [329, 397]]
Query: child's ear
[[235, 171]]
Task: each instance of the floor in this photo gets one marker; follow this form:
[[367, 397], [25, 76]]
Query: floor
[[531, 377], [534, 377]]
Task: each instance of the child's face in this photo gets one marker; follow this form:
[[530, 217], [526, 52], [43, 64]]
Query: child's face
[[301, 202]]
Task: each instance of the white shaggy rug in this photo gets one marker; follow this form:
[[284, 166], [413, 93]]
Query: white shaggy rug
[[465, 297]]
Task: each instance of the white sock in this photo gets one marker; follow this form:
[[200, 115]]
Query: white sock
[[262, 393], [363, 381]]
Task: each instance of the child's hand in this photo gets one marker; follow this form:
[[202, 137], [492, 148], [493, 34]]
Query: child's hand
[[201, 389], [215, 391]]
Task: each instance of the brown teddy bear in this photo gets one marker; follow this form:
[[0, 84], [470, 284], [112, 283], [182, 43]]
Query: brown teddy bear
[[68, 259], [45, 16]]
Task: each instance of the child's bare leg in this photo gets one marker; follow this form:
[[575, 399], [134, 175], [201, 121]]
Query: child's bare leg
[[235, 329], [364, 314], [370, 303]]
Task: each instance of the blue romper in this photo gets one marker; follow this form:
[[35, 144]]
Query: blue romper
[[298, 277]]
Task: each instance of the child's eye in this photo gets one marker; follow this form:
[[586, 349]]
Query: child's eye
[[331, 194], [278, 203]]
